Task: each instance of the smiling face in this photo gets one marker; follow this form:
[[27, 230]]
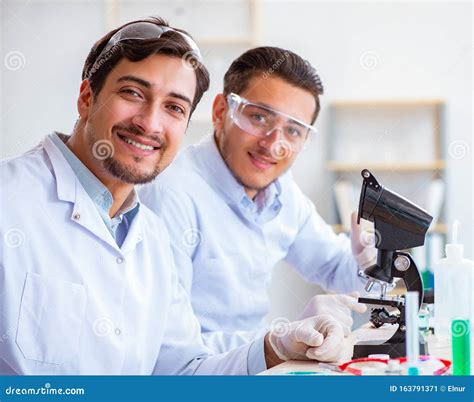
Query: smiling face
[[133, 128], [257, 161]]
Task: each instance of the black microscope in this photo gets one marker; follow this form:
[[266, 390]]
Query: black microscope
[[399, 225]]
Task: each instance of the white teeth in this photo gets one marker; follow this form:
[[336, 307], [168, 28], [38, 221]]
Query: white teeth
[[137, 144], [261, 160]]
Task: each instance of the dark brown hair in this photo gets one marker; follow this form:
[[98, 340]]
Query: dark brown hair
[[273, 61], [170, 43]]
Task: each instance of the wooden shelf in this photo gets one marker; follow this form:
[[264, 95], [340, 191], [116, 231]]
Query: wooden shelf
[[387, 103], [237, 41], [386, 166], [250, 40], [440, 228]]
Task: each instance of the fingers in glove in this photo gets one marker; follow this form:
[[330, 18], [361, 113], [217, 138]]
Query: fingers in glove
[[351, 302], [354, 223], [333, 341], [306, 334], [343, 352], [342, 317], [346, 329]]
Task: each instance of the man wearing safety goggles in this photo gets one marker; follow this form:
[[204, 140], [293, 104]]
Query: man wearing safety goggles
[[88, 283], [234, 211]]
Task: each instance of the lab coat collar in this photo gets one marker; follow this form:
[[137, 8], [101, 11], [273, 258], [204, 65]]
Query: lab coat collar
[[66, 188], [84, 211], [97, 191]]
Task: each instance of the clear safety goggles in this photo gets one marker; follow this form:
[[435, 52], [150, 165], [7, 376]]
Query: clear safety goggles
[[262, 121], [142, 31]]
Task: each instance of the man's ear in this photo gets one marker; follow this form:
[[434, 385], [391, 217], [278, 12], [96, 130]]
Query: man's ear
[[219, 111], [84, 101]]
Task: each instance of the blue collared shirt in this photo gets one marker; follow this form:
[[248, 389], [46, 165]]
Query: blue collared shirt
[[226, 245], [119, 224]]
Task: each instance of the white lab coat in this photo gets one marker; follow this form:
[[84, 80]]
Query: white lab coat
[[72, 301]]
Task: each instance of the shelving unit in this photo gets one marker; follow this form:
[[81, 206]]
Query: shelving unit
[[218, 53], [381, 119], [435, 165], [438, 228], [392, 138], [401, 143]]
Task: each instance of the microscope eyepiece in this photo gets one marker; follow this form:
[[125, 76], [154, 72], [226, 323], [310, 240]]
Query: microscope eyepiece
[[399, 223]]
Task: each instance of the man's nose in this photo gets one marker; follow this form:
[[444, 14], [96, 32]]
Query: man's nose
[[150, 120], [275, 134]]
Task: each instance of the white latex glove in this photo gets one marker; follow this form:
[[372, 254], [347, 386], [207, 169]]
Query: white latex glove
[[363, 244], [319, 338], [337, 306]]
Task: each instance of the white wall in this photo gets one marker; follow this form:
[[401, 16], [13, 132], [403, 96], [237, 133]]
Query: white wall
[[44, 45], [421, 50]]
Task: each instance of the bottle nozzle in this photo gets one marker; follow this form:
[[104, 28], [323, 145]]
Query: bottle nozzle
[[455, 232], [455, 250]]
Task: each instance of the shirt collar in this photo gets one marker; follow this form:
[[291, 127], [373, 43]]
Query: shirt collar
[[225, 182], [96, 190]]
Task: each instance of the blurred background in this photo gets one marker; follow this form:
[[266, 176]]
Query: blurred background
[[398, 95]]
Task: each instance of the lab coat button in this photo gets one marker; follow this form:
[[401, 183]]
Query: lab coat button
[[117, 331], [76, 216], [119, 260]]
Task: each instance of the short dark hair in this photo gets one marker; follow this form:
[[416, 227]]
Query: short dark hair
[[268, 61], [170, 43]]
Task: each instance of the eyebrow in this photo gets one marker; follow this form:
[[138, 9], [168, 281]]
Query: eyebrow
[[137, 80], [289, 119], [181, 96], [148, 85]]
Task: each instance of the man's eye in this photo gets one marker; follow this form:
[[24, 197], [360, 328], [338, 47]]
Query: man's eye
[[177, 109], [258, 118], [132, 93], [294, 132]]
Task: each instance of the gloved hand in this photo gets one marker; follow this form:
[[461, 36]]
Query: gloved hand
[[337, 306], [320, 338], [363, 244]]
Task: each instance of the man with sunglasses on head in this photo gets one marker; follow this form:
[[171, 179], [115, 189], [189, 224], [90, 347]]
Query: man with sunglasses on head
[[88, 283], [234, 211]]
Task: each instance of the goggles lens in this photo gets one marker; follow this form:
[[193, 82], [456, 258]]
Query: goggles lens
[[262, 121]]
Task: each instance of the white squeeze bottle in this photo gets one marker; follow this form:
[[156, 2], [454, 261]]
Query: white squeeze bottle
[[453, 287]]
